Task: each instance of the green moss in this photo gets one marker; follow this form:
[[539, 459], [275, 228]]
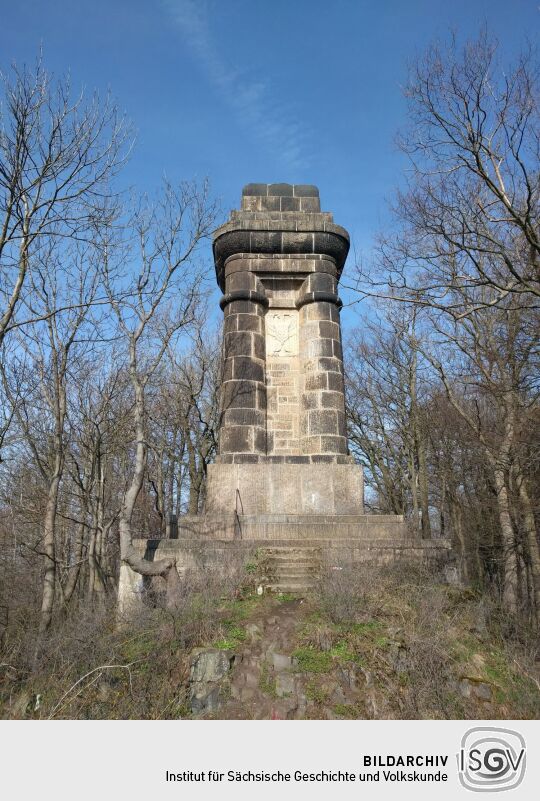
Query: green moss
[[367, 627], [234, 636], [465, 647], [235, 631], [139, 647], [317, 693], [348, 711], [311, 660], [241, 608], [342, 650], [226, 645], [510, 685]]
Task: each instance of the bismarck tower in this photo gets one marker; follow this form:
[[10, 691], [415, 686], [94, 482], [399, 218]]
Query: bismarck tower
[[283, 485], [283, 440]]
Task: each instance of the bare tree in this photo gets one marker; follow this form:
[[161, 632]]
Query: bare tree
[[63, 286], [441, 414], [99, 425], [384, 406], [488, 365], [470, 215], [57, 158], [183, 418], [161, 303], [195, 386], [465, 253]]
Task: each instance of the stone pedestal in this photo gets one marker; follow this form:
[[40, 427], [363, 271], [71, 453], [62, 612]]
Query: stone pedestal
[[284, 488]]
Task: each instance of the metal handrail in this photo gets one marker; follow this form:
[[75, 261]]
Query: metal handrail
[[238, 524], [238, 498]]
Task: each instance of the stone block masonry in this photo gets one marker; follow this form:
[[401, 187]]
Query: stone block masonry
[[278, 261], [283, 391]]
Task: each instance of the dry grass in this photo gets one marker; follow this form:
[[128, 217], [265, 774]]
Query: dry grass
[[409, 639], [419, 639], [92, 667]]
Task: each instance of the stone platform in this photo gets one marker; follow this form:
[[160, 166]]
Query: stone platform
[[290, 553], [297, 527]]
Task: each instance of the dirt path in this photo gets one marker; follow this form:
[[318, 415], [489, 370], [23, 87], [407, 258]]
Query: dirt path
[[265, 678], [263, 684]]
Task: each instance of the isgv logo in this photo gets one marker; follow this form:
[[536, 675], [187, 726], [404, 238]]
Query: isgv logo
[[491, 759]]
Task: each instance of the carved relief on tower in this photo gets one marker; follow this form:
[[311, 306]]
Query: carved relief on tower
[[281, 333]]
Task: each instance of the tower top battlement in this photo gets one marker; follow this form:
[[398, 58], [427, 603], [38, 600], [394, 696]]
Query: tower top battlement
[[281, 197]]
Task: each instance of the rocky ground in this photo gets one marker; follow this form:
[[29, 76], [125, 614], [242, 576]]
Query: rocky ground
[[262, 677], [282, 659]]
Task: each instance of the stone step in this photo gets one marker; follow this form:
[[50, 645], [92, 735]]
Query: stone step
[[286, 569], [296, 547], [286, 564], [293, 587], [293, 549], [167, 546], [293, 564], [303, 562], [298, 557], [286, 575]]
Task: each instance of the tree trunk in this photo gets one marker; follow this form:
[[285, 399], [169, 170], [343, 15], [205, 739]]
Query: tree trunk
[[509, 559], [75, 569], [531, 539], [128, 554], [456, 516], [48, 545], [194, 479], [424, 493]]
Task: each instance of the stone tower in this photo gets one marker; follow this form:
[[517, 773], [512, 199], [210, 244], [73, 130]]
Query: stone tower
[[283, 440], [283, 486]]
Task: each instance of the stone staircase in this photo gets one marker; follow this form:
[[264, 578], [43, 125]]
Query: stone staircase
[[291, 569]]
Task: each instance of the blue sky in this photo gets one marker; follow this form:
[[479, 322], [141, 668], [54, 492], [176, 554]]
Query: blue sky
[[302, 91]]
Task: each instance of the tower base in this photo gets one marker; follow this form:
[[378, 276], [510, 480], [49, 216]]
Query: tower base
[[287, 488]]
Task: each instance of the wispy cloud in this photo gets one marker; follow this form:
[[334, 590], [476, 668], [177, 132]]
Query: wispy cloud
[[266, 119]]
